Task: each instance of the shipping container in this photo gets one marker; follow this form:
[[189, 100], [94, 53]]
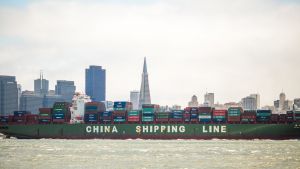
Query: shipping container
[[4, 119], [233, 119], [21, 113], [282, 118], [123, 106], [134, 113], [94, 107], [297, 115], [133, 118], [234, 111], [61, 112], [32, 119], [154, 106], [263, 116], [274, 118], [92, 117]]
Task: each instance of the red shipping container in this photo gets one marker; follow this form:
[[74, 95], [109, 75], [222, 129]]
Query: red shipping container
[[233, 119], [45, 110], [219, 112]]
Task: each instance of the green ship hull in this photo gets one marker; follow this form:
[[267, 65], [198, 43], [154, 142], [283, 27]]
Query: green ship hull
[[153, 131]]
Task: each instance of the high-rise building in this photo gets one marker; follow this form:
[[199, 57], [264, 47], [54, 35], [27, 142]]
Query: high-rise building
[[257, 97], [276, 104], [51, 98], [95, 87], [134, 99], [209, 99], [288, 105], [145, 90], [8, 94], [30, 101], [194, 102], [297, 102], [19, 94], [66, 89], [249, 103], [281, 101], [41, 85]]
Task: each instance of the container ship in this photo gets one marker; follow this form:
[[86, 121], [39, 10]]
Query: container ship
[[150, 123]]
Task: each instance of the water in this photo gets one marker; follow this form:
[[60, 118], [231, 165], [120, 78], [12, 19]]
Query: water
[[73, 154]]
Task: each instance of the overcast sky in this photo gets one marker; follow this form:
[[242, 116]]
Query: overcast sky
[[232, 48]]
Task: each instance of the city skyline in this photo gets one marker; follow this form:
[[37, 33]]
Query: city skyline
[[228, 48]]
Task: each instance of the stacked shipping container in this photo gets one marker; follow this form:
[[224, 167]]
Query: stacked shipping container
[[148, 112], [248, 116], [61, 112], [162, 117], [297, 115], [234, 114], [19, 117], [106, 117], [133, 116], [92, 111], [219, 116], [45, 115], [263, 116], [176, 116], [205, 114], [120, 111]]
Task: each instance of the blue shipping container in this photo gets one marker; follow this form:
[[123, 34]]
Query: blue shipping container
[[120, 105], [20, 113], [106, 114]]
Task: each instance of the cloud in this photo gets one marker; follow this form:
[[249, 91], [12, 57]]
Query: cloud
[[232, 48]]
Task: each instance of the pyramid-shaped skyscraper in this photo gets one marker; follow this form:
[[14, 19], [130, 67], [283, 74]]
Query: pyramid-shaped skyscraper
[[145, 90]]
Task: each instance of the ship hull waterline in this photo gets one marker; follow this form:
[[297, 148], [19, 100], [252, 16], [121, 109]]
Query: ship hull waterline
[[153, 131]]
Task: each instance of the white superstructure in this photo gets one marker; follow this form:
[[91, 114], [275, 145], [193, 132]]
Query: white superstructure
[[77, 109]]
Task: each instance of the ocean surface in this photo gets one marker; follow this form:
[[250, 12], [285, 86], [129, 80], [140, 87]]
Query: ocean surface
[[208, 154]]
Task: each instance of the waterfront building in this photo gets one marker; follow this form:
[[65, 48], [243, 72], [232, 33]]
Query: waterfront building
[[66, 89], [193, 102], [249, 103], [51, 98], [41, 85], [257, 98], [30, 101], [297, 102], [144, 97], [134, 99], [8, 94], [95, 83], [209, 99], [282, 98], [276, 104], [19, 94]]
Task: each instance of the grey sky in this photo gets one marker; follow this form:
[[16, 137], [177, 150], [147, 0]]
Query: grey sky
[[232, 48]]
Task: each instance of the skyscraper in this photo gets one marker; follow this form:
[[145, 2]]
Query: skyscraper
[[193, 102], [257, 97], [145, 91], [134, 99], [95, 83], [249, 103], [66, 89], [209, 99], [41, 85], [31, 101], [281, 100], [8, 95]]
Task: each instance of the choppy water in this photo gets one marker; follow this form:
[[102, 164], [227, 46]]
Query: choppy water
[[149, 154]]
